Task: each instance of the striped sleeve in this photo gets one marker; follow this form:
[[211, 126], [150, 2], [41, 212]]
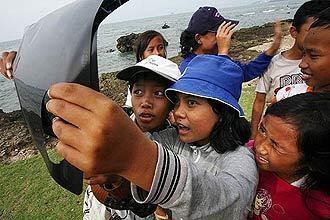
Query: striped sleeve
[[169, 179]]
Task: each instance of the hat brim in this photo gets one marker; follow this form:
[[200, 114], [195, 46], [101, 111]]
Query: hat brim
[[128, 73], [215, 28], [204, 90]]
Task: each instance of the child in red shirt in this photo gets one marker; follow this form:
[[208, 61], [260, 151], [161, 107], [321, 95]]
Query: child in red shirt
[[293, 154]]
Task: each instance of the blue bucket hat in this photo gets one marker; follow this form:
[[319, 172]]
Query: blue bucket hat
[[212, 77]]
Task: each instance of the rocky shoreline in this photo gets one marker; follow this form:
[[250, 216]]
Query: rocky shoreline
[[16, 142]]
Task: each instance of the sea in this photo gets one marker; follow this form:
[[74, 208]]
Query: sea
[[250, 15]]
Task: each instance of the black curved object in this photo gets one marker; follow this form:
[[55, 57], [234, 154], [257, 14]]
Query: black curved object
[[60, 47]]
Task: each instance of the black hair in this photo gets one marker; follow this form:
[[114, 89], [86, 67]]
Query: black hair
[[322, 19], [148, 75], [231, 131], [309, 114], [188, 43], [307, 10], [143, 41]]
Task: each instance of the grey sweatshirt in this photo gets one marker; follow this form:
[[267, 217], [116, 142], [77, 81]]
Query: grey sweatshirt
[[193, 182], [198, 183]]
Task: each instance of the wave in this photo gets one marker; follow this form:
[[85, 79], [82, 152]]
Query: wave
[[249, 13], [267, 11]]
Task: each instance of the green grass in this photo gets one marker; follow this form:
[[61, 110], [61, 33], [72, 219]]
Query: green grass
[[247, 99], [28, 192]]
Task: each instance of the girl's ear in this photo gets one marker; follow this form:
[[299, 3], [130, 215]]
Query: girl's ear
[[198, 38], [293, 32]]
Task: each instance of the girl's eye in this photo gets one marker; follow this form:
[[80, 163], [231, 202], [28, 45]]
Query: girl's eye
[[313, 56], [160, 94], [262, 130], [273, 145], [138, 92], [276, 148], [192, 103]]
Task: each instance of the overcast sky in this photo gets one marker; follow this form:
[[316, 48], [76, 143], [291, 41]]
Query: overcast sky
[[17, 14]]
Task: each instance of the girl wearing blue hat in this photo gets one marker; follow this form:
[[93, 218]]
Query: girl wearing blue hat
[[200, 170]]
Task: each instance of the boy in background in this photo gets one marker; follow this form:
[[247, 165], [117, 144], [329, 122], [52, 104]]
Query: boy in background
[[284, 67], [315, 64]]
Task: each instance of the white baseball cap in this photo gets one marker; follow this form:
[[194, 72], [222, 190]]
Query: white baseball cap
[[154, 63]]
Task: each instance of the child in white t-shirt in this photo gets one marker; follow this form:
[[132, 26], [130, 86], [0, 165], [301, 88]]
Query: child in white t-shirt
[[284, 68]]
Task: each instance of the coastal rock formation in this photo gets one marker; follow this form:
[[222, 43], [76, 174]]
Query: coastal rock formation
[[126, 43], [14, 135], [15, 140]]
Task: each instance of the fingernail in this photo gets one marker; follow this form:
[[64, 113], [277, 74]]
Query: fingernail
[[55, 119], [47, 106], [8, 65], [9, 74], [48, 93]]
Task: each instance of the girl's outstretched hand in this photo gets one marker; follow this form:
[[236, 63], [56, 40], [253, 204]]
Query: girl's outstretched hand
[[98, 137], [278, 35], [224, 34]]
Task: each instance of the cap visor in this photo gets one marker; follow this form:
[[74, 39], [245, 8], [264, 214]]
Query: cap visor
[[128, 73], [215, 28], [232, 21]]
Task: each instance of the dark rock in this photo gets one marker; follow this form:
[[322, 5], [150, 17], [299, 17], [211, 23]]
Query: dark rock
[[110, 50], [165, 26], [113, 88], [126, 43]]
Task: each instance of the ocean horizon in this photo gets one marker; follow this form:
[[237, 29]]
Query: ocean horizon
[[108, 33]]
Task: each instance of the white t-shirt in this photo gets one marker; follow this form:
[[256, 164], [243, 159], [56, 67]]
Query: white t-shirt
[[291, 90], [281, 72], [128, 99]]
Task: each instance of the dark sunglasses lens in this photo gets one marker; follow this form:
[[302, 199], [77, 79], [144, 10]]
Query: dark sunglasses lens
[[47, 56]]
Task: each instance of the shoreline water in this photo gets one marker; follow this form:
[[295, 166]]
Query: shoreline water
[[16, 142]]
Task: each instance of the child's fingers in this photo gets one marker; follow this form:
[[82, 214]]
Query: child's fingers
[[231, 32], [223, 27], [278, 29], [231, 27], [223, 30], [222, 24], [10, 59]]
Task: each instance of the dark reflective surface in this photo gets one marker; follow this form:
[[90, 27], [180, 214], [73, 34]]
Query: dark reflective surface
[[60, 47]]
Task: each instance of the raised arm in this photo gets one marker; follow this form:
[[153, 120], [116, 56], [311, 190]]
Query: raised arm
[[258, 66], [257, 111], [224, 34]]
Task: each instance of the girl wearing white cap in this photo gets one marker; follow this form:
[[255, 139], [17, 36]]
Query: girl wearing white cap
[[147, 80]]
